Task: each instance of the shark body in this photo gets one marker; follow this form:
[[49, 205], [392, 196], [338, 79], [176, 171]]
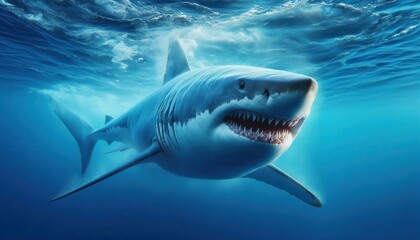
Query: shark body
[[219, 122]]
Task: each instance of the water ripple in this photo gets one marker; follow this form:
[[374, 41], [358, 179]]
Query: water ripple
[[353, 49]]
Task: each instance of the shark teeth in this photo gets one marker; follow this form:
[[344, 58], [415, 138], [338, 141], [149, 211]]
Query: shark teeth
[[262, 128]]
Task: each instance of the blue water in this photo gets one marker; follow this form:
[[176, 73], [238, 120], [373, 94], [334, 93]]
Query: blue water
[[359, 150]]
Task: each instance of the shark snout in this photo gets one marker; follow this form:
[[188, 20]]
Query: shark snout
[[273, 88], [277, 83], [287, 98], [310, 85], [305, 85]]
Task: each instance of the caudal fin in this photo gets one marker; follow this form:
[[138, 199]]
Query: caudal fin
[[80, 130]]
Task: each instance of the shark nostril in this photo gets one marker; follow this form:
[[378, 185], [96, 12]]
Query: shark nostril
[[242, 84], [266, 93]]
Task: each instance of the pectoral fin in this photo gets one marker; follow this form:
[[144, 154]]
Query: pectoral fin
[[120, 149], [275, 177], [152, 150]]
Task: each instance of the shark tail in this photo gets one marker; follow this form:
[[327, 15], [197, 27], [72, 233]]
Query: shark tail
[[80, 130]]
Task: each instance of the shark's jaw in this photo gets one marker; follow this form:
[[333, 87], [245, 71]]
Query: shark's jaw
[[263, 128]]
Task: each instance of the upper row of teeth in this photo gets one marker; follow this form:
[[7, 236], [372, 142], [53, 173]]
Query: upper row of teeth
[[246, 116]]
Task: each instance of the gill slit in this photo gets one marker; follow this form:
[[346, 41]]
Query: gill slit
[[166, 125]]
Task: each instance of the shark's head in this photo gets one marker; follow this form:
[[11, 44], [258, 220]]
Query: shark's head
[[237, 118], [267, 107]]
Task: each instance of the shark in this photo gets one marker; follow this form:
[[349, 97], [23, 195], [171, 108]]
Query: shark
[[219, 122]]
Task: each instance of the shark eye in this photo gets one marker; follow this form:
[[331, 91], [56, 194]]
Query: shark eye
[[242, 84]]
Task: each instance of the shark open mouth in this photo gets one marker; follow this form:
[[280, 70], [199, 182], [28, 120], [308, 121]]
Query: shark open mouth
[[262, 128]]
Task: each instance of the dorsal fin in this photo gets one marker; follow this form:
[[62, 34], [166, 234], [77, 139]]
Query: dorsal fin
[[177, 62], [108, 119]]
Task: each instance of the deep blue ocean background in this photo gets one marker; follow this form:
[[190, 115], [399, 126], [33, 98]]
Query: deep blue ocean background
[[359, 150]]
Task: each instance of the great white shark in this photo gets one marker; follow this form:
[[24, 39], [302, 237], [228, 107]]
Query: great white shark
[[219, 122]]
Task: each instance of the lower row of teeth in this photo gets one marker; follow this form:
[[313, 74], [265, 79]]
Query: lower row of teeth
[[275, 137]]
